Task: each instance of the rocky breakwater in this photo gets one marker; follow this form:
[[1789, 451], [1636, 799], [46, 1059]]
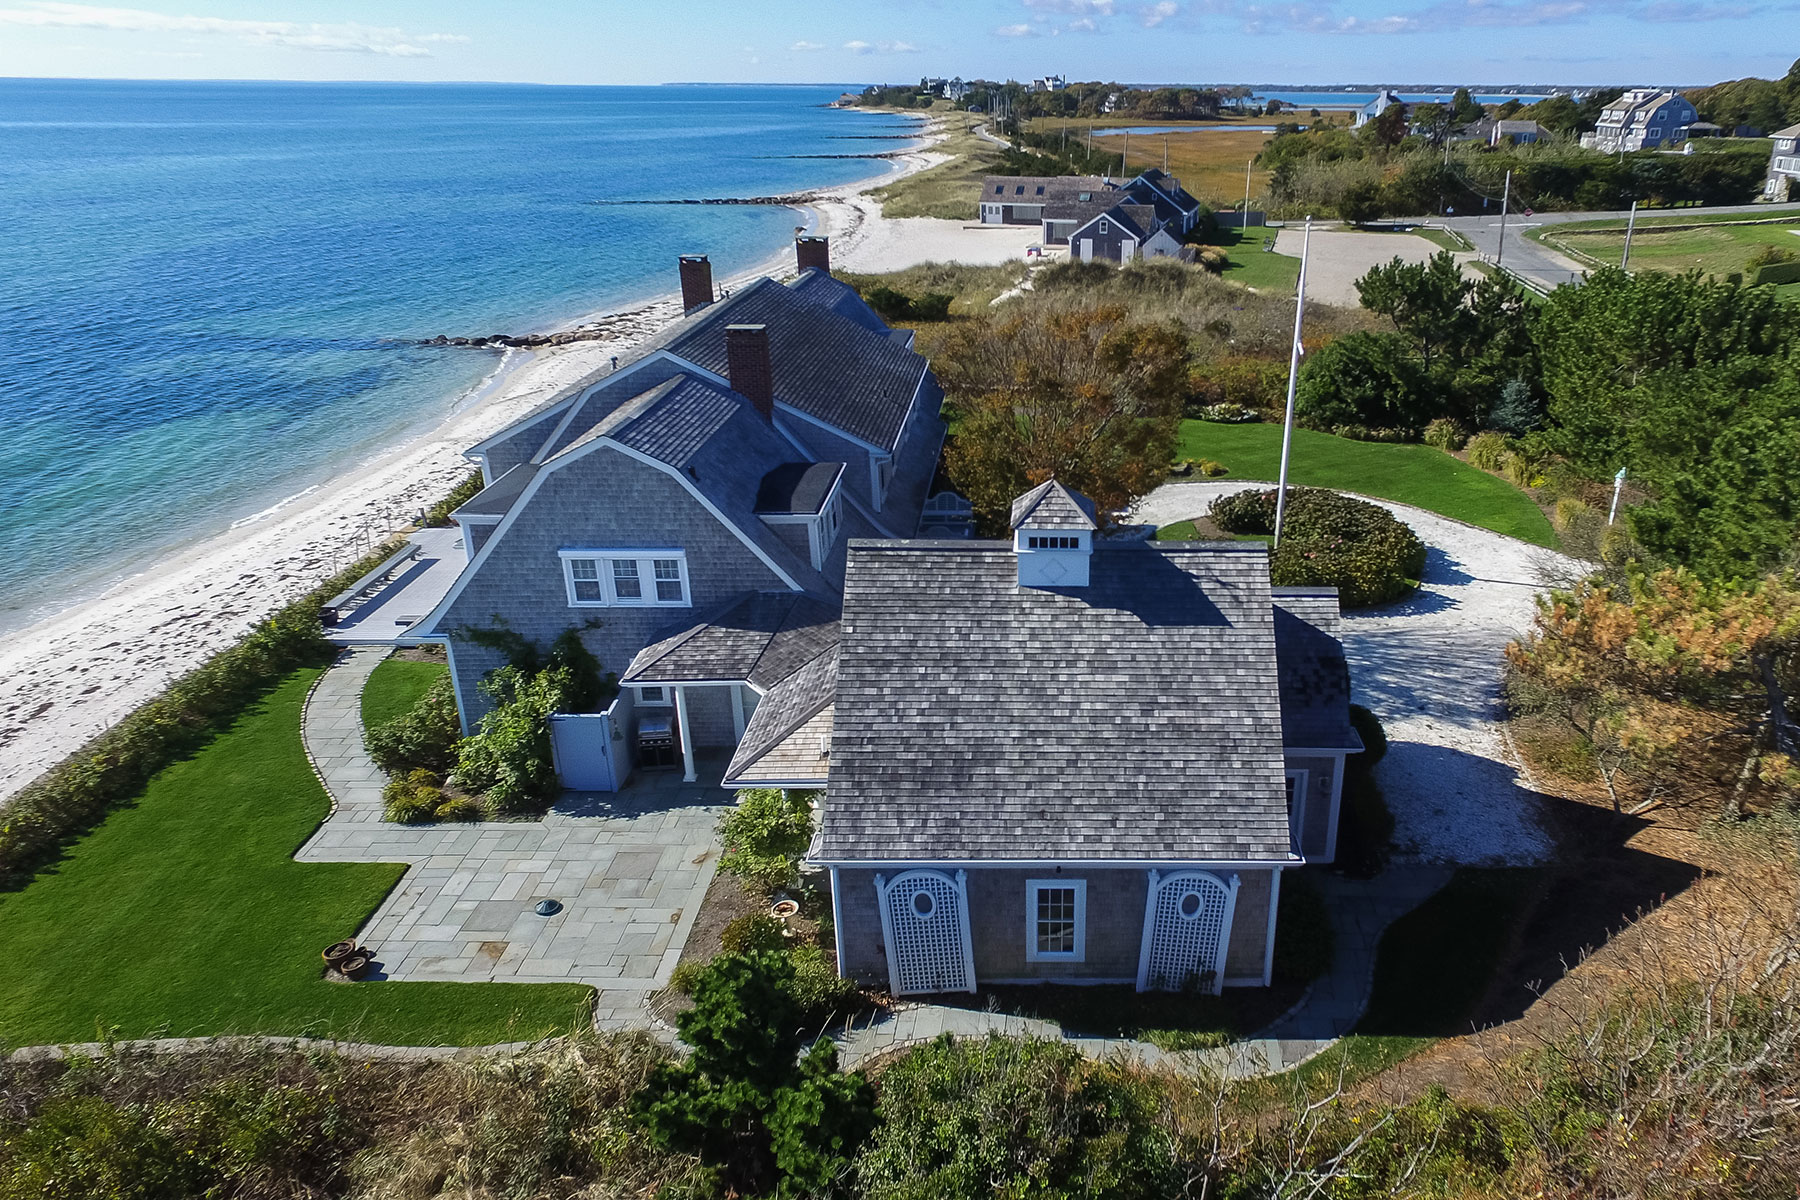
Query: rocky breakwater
[[624, 327]]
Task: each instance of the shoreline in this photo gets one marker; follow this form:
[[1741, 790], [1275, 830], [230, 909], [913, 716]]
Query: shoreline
[[69, 675]]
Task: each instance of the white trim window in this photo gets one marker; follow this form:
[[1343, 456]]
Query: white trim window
[[1296, 808], [1056, 920], [626, 578], [653, 697]]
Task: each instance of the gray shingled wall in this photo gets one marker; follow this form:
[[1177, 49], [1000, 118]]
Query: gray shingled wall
[[605, 501], [826, 446], [1317, 817], [1115, 925], [519, 445]]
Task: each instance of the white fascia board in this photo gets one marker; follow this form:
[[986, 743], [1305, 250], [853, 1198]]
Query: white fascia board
[[1042, 864], [797, 784], [708, 505]]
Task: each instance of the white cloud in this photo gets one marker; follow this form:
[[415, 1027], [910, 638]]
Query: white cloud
[[1084, 25], [862, 47], [858, 47], [1078, 8], [1016, 31], [1153, 15], [805, 46], [344, 37]]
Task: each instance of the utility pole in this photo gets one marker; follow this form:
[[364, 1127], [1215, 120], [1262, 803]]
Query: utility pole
[[1165, 154], [1287, 426], [1505, 202], [1125, 158], [1625, 261], [1245, 227]]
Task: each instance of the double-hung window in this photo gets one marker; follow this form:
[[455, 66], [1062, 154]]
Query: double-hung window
[[1055, 920], [1296, 808], [607, 578]]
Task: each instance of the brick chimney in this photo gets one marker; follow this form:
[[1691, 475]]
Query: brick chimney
[[747, 366], [696, 282], [812, 252]]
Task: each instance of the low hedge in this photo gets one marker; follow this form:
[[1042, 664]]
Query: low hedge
[[1329, 540], [76, 794]]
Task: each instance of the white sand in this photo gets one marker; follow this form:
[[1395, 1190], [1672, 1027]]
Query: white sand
[[72, 675]]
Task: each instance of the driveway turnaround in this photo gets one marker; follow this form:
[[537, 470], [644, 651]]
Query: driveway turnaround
[[1430, 667], [627, 872], [1338, 258]]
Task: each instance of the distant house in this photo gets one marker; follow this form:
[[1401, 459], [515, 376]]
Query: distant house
[[1049, 83], [1384, 100], [1521, 133], [846, 100], [1784, 165], [1098, 218], [689, 512], [955, 89], [1641, 119], [1113, 102], [1064, 757]]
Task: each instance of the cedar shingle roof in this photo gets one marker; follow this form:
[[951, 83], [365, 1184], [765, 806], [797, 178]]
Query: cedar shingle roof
[[759, 638], [784, 714], [1050, 505], [1136, 718], [1315, 679]]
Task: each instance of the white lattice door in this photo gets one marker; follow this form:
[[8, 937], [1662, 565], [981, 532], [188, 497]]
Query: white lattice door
[[1187, 926], [925, 922]]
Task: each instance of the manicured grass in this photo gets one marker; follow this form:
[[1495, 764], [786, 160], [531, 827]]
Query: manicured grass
[[394, 687], [1253, 261], [1444, 238], [1720, 248], [1189, 531], [186, 915], [1408, 474]]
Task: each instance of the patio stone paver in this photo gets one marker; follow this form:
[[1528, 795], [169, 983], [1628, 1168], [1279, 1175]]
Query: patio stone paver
[[629, 870]]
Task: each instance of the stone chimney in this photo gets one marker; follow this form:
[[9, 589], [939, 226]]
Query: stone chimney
[[747, 366], [696, 282], [812, 252]]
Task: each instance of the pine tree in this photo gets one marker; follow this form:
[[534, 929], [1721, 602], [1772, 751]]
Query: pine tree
[[1517, 411]]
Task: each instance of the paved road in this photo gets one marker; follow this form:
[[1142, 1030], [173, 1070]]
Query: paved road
[[1546, 267]]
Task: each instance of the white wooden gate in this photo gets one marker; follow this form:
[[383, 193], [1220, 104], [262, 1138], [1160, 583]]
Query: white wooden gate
[[1187, 928], [925, 923], [581, 746], [1087, 250]]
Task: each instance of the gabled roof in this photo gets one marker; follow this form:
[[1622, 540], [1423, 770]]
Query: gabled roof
[[797, 487], [817, 287], [492, 501], [1169, 187], [1315, 679], [783, 718], [1137, 718], [759, 638], [1137, 220], [1050, 505], [1792, 131]]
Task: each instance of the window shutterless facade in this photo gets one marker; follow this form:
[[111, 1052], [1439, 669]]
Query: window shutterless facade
[[1056, 920], [626, 578]]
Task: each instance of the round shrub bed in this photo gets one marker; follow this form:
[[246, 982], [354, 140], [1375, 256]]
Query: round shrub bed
[[1329, 540]]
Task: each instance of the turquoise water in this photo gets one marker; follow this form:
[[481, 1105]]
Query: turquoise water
[[207, 289]]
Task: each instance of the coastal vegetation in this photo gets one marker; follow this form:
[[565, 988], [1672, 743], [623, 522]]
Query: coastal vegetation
[[1719, 247], [950, 189], [1329, 540], [1766, 104]]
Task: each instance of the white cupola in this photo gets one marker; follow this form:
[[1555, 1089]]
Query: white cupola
[[1053, 536]]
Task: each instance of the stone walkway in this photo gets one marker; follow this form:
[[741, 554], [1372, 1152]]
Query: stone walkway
[[1361, 911], [629, 870]]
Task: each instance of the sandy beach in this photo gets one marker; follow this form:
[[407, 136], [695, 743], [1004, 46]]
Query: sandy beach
[[70, 676]]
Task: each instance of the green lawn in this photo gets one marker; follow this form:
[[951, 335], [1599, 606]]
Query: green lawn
[[1253, 261], [394, 687], [1719, 248], [185, 914], [1408, 474]]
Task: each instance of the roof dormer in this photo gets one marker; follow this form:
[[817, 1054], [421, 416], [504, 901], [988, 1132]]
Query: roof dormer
[[1053, 536]]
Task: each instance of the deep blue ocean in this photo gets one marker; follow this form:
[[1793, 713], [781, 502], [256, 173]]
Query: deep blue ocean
[[206, 288]]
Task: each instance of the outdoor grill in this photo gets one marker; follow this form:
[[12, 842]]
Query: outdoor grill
[[655, 740]]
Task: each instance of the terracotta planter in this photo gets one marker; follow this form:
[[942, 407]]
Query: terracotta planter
[[355, 966], [337, 952]]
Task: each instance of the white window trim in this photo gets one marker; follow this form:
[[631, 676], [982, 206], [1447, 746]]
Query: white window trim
[[646, 577], [1032, 888], [668, 700], [1297, 819]]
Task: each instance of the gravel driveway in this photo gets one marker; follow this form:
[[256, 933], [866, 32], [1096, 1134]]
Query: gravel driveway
[[1429, 666], [1338, 258]]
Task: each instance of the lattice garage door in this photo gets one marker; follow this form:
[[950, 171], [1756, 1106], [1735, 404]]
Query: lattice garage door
[[1186, 929], [925, 919]]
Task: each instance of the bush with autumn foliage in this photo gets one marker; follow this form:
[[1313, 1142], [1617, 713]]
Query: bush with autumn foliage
[[1087, 395], [1677, 687]]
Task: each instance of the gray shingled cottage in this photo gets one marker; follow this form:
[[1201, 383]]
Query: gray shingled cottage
[[1065, 757], [690, 511]]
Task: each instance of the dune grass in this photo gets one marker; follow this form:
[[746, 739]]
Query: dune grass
[[1407, 474], [951, 190], [186, 915], [395, 686]]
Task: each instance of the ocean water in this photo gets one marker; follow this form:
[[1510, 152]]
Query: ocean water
[[207, 290]]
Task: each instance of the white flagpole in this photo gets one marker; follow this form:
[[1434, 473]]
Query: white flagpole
[[1287, 426]]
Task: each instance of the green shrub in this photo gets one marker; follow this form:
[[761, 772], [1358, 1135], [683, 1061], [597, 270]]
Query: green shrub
[[1211, 468], [753, 932], [439, 513], [77, 793], [508, 759], [1487, 451], [889, 304], [1213, 258], [1374, 738], [1446, 434], [932, 306], [1236, 384], [423, 736], [823, 995], [1522, 470], [745, 1099], [1228, 414], [1767, 255], [685, 976], [412, 798], [459, 808], [1016, 1117], [1329, 540], [765, 834]]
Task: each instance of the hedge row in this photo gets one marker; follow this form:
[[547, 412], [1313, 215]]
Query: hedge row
[[76, 794], [1329, 540]]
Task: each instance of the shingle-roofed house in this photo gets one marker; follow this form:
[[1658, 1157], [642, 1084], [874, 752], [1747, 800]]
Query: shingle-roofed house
[[1642, 119], [720, 471], [1099, 778], [1149, 215], [1784, 164]]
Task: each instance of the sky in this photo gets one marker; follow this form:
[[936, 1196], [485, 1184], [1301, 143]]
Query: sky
[[867, 41]]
